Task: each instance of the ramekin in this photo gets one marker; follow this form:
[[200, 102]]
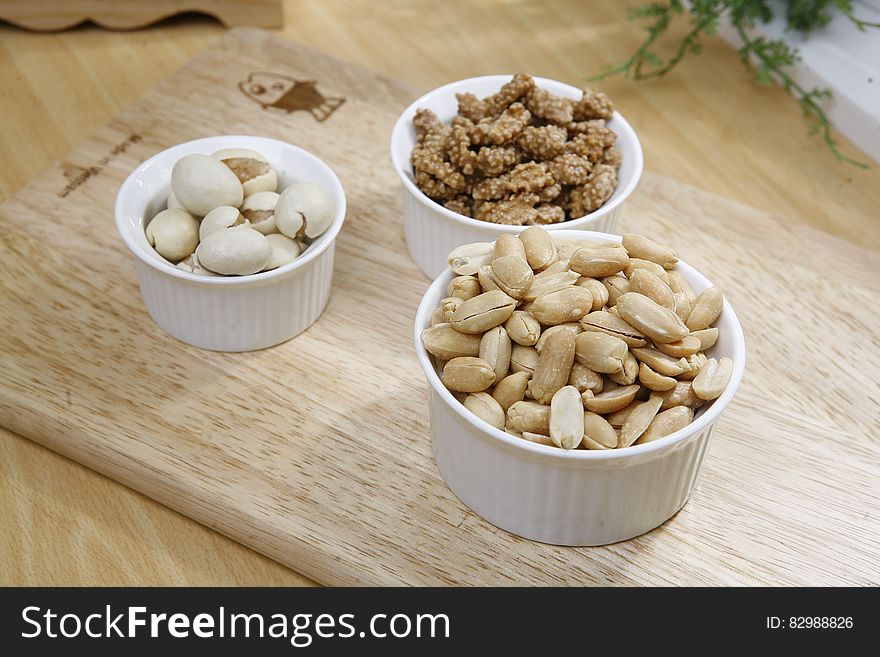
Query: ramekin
[[432, 231], [578, 497], [230, 313]]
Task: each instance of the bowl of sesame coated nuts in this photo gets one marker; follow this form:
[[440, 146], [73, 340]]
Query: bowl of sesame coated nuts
[[491, 155]]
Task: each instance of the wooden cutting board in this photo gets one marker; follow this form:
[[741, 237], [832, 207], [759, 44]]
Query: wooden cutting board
[[317, 452]]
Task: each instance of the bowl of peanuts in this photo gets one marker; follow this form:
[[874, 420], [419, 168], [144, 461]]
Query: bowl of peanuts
[[490, 155], [574, 381]]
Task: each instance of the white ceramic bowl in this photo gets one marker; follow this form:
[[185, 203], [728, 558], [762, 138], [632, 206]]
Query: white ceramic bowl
[[432, 231], [230, 313], [578, 497]]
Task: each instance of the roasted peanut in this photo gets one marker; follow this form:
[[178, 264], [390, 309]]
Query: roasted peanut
[[538, 438], [706, 309], [659, 362], [681, 395], [597, 262], [654, 381], [617, 418], [553, 367], [644, 282], [485, 407], [523, 359], [529, 416], [639, 246], [707, 337], [678, 283], [463, 287], [511, 389], [583, 378], [692, 365], [512, 274], [599, 291], [666, 423], [556, 267], [566, 418], [628, 374], [548, 281], [523, 328], [495, 349], [712, 378], [566, 305], [605, 322], [468, 374], [638, 421], [616, 286], [658, 323], [448, 306], [635, 264], [610, 401], [600, 352], [482, 312], [682, 305], [486, 279], [539, 249], [507, 245], [598, 433], [466, 260], [571, 327], [687, 346]]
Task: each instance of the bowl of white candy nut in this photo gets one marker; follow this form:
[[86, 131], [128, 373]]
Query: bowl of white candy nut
[[234, 238]]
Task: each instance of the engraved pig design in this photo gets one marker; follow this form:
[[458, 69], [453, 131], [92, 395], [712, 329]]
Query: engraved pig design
[[289, 94]]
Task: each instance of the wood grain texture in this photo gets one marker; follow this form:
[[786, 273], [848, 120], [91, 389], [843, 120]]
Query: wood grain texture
[[51, 15], [346, 491]]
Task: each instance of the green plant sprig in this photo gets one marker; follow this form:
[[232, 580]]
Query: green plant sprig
[[767, 59]]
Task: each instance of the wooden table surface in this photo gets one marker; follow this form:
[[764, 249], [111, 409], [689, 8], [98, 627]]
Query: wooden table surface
[[707, 125]]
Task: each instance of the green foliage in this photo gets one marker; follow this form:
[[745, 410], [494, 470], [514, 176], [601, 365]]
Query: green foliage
[[767, 59]]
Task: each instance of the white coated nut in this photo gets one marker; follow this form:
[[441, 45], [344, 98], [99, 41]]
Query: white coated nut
[[284, 250], [192, 265], [252, 168], [174, 234], [259, 210], [173, 203], [202, 183], [238, 250], [304, 208], [225, 216]]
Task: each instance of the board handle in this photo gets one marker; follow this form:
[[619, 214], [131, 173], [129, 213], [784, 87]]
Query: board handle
[[55, 15]]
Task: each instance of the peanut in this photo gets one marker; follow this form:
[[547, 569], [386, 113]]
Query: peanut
[[639, 246], [523, 328], [468, 374], [486, 408], [600, 352], [566, 418], [638, 421], [666, 423], [538, 247], [566, 305], [495, 349], [482, 312], [658, 323], [511, 389], [712, 378], [706, 309], [553, 367], [598, 261], [512, 274], [598, 433]]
